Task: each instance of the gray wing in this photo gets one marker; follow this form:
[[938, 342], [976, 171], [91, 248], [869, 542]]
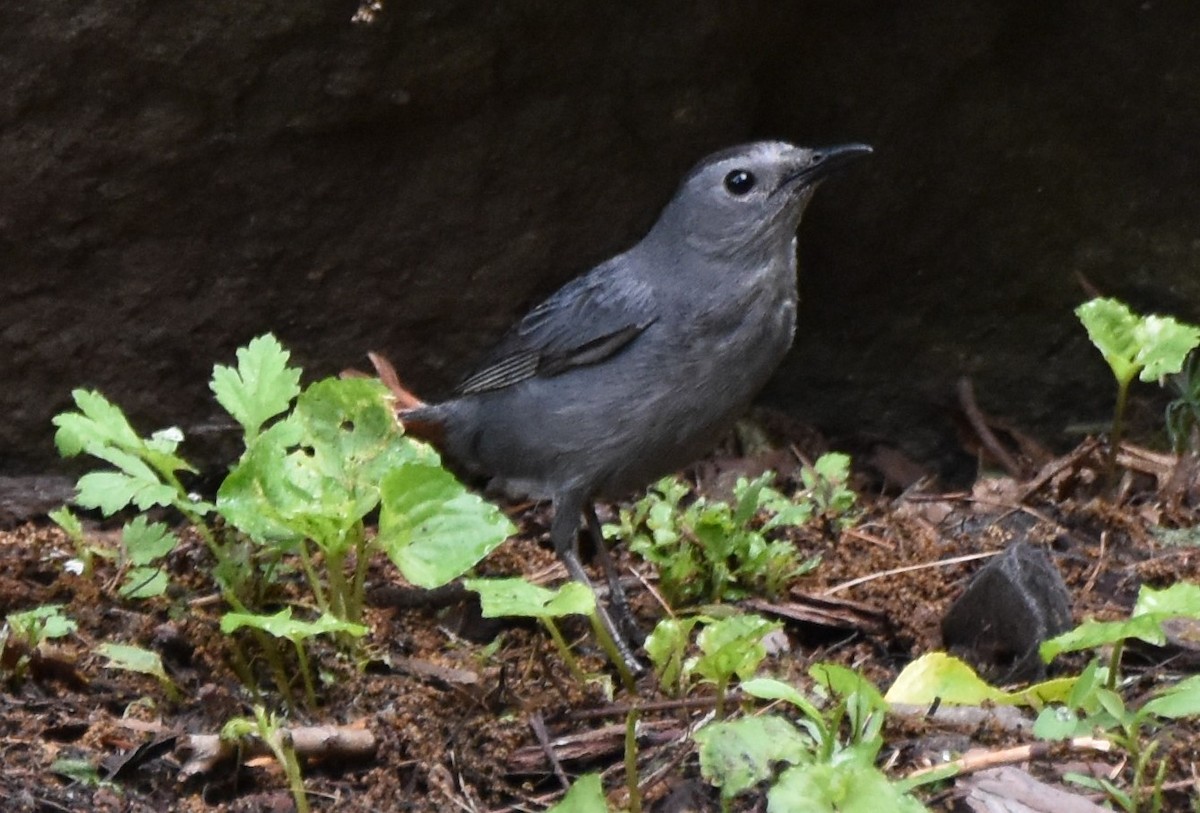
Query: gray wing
[[586, 321]]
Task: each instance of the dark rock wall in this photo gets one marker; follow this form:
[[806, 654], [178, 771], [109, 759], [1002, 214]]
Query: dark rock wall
[[178, 177]]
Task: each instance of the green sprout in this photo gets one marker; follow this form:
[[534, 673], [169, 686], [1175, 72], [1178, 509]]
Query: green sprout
[[268, 728], [501, 598], [23, 632], [709, 550], [1147, 347], [731, 647]]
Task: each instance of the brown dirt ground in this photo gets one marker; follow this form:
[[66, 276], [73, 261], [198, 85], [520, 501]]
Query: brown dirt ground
[[453, 719]]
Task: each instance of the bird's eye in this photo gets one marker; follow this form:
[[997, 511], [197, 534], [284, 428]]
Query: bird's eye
[[739, 182]]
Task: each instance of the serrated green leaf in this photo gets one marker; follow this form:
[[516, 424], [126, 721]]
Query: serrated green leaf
[[282, 625], [110, 491], [146, 541], [737, 755], [70, 524], [98, 421], [501, 598], [260, 387], [144, 582], [1163, 345], [585, 796], [432, 528]]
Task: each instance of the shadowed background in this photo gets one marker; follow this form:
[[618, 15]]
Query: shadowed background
[[177, 178]]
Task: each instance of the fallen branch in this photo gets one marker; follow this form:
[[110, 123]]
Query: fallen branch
[[205, 751], [974, 761]]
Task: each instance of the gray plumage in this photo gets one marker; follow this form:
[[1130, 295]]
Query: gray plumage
[[634, 369]]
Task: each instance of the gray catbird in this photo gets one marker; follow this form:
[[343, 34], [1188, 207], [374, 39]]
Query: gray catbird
[[634, 369]]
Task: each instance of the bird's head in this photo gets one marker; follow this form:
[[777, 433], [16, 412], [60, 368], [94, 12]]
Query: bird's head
[[750, 196]]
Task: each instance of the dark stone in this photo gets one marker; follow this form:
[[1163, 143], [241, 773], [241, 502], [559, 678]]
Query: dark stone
[[1013, 604]]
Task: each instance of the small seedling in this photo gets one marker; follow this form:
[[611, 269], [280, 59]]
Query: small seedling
[[667, 646], [282, 625], [1183, 412], [22, 633], [731, 647], [827, 774], [1148, 347], [501, 598], [269, 729]]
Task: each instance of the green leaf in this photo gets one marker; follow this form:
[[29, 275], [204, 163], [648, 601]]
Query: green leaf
[[772, 689], [261, 387], [585, 796], [1180, 599], [101, 429], [848, 786], [938, 676], [317, 473], [65, 519], [1091, 634], [282, 625], [731, 646], [1059, 723], [144, 582], [146, 541], [667, 645], [737, 755], [110, 491], [1180, 700], [432, 528], [1111, 326], [136, 659], [500, 598], [1152, 346], [41, 623]]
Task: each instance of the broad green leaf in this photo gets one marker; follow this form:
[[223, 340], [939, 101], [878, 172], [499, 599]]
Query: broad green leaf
[[946, 679], [585, 796], [737, 755], [500, 598], [938, 676], [1060, 723], [1180, 700], [1180, 599], [845, 682], [282, 625], [146, 541], [261, 387], [839, 787], [432, 528]]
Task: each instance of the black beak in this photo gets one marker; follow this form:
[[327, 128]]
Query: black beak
[[825, 160]]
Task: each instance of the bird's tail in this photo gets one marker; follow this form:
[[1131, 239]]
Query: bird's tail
[[418, 418]]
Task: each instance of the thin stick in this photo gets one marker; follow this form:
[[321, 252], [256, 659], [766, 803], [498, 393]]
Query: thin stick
[[908, 569]]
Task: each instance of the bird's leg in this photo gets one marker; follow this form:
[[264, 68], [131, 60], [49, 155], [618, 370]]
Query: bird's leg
[[617, 597], [564, 532]]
